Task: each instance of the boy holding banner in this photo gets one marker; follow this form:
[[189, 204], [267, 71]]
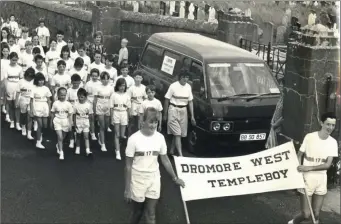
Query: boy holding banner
[[317, 150], [142, 174]]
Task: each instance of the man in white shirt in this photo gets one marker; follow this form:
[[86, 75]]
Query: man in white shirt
[[317, 150], [142, 173], [60, 42], [177, 98]]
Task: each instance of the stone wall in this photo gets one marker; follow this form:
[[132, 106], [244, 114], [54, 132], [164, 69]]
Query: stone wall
[[75, 23]]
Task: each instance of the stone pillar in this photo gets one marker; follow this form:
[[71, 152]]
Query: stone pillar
[[268, 32], [108, 20], [311, 62], [232, 27]]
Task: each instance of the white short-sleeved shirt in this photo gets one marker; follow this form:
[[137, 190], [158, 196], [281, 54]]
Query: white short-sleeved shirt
[[59, 80], [317, 150], [22, 42], [42, 70], [14, 48], [74, 55], [40, 93], [137, 93], [178, 94], [120, 101], [92, 87], [13, 73], [83, 110], [52, 58], [3, 66], [62, 109], [69, 63], [82, 73], [25, 88], [145, 151], [60, 45], [100, 67], [71, 95], [87, 62], [42, 53], [13, 25], [25, 60], [122, 55], [129, 80], [104, 93], [112, 73], [154, 103], [42, 33]]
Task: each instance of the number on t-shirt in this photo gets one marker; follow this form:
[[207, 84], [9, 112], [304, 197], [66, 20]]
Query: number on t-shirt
[[148, 153]]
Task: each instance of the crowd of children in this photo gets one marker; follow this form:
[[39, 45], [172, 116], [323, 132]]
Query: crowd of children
[[51, 83]]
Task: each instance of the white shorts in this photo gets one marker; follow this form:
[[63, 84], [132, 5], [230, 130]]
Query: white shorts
[[177, 122], [41, 109], [11, 89], [145, 186], [120, 117], [61, 124], [24, 104], [103, 109], [316, 183], [135, 109], [82, 125]]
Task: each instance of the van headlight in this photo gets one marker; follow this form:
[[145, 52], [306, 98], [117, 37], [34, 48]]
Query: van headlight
[[227, 127], [215, 126]]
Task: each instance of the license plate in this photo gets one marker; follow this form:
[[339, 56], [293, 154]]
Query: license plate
[[252, 137]]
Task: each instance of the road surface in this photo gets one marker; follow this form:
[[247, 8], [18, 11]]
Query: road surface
[[38, 188]]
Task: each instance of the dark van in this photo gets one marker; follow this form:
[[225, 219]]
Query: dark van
[[235, 93]]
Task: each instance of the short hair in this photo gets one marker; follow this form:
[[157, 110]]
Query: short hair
[[25, 29], [98, 33], [110, 58], [82, 92], [41, 20], [75, 78], [327, 115], [60, 32], [120, 82], [97, 52], [81, 47], [28, 42], [94, 70], [53, 40], [151, 88], [38, 57], [183, 72], [137, 73], [10, 36], [150, 113], [61, 89], [61, 62], [124, 66], [13, 55], [38, 77], [105, 75], [29, 73], [65, 49], [36, 50], [79, 62]]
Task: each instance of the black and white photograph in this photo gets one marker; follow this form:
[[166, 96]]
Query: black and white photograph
[[179, 112]]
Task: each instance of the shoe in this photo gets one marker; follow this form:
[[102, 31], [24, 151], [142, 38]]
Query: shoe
[[35, 125], [57, 147], [18, 126], [72, 144], [78, 149], [93, 137], [103, 148], [29, 135], [39, 145], [23, 131], [61, 155], [109, 130], [12, 124], [291, 222], [118, 155], [88, 152], [7, 118]]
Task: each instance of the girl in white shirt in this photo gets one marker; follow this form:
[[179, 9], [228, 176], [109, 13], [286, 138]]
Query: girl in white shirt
[[12, 75], [79, 69], [97, 63], [109, 61], [40, 106], [35, 43], [65, 56], [52, 57], [39, 66], [120, 105], [102, 108], [22, 101], [26, 57], [3, 66], [61, 79], [12, 46], [4, 34], [73, 52], [92, 87], [86, 58]]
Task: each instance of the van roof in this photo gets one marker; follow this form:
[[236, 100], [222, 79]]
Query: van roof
[[202, 48]]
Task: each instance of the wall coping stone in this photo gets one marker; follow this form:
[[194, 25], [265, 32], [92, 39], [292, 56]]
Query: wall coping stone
[[169, 21], [61, 9]]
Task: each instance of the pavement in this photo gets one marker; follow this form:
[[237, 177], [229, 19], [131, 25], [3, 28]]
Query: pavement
[[38, 188]]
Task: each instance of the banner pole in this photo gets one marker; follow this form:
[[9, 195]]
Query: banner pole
[[310, 208], [186, 212]]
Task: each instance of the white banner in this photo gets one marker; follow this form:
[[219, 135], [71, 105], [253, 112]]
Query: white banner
[[273, 169]]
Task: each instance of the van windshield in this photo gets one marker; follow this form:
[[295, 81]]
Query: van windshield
[[229, 79]]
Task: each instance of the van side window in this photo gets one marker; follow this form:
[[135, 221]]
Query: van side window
[[197, 79], [152, 57], [171, 63]]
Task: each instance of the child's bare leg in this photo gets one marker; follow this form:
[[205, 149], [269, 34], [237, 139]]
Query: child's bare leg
[[103, 128], [39, 133], [29, 126], [17, 118], [138, 209], [78, 143], [92, 129], [60, 138], [87, 142], [117, 137]]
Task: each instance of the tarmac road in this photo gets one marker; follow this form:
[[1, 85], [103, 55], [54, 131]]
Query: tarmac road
[[38, 188]]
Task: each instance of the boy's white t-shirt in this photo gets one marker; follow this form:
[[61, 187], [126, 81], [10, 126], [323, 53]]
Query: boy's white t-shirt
[[112, 73], [74, 55], [26, 60], [178, 94], [120, 101], [40, 93], [317, 150], [13, 73], [92, 87], [42, 53], [154, 103], [83, 110], [14, 48], [42, 33], [22, 42], [145, 151], [137, 93], [62, 109], [69, 63], [100, 67], [13, 26], [104, 91], [60, 45], [61, 81], [129, 80], [25, 88], [87, 62], [52, 58], [43, 70], [71, 95], [82, 73]]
